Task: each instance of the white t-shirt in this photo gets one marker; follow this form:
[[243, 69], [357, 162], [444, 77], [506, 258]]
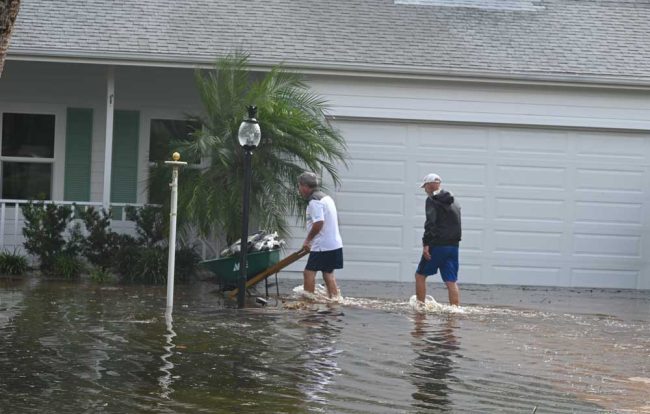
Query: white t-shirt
[[329, 237]]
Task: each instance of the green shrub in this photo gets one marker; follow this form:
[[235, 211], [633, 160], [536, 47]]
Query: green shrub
[[66, 267], [186, 263], [13, 264], [102, 244], [150, 224], [151, 266], [43, 231], [99, 275], [139, 264]]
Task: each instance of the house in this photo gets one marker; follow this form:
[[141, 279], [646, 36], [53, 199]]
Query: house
[[536, 113]]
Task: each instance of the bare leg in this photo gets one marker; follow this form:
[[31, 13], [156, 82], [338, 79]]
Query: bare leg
[[330, 282], [420, 287], [454, 293], [309, 280]]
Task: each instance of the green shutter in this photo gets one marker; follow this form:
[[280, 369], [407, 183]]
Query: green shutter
[[78, 151], [124, 173]]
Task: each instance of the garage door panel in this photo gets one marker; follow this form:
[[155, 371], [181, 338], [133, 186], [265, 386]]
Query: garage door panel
[[605, 229], [372, 270], [609, 212], [527, 209], [384, 171], [370, 203], [616, 181], [388, 137], [453, 138], [623, 279], [532, 142], [380, 236], [528, 226], [611, 146], [527, 275], [607, 245], [527, 242], [530, 177], [608, 196]]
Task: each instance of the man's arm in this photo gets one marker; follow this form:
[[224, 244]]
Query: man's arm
[[315, 229]]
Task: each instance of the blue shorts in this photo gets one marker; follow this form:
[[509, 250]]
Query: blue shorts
[[444, 258], [325, 261]]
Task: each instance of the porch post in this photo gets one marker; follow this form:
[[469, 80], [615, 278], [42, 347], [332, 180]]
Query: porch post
[[108, 148]]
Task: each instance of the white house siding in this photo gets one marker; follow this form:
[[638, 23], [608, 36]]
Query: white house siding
[[554, 182]]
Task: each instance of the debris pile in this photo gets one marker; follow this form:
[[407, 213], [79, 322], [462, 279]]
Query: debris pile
[[257, 242]]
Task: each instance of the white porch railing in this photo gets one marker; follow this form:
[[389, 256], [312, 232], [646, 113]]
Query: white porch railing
[[12, 222]]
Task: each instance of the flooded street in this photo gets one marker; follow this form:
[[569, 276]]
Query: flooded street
[[86, 348]]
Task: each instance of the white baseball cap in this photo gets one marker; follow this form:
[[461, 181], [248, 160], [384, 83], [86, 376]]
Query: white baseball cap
[[430, 178]]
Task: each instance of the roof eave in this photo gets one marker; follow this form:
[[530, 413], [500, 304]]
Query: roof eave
[[337, 69]]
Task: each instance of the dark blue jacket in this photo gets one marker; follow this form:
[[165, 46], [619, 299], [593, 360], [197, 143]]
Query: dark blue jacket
[[442, 225]]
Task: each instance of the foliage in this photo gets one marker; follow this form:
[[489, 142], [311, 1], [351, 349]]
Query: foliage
[[75, 242], [8, 13], [141, 264], [66, 267], [43, 231], [99, 275], [13, 264], [186, 264], [144, 265], [295, 136], [150, 224], [101, 244], [142, 259]]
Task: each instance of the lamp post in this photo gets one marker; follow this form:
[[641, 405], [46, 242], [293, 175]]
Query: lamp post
[[171, 258], [249, 138]]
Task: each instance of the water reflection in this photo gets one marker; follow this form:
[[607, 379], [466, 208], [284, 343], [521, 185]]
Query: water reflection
[[165, 380], [319, 354], [435, 344]]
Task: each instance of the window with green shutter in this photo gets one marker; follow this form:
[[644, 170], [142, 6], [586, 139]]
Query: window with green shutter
[[78, 154]]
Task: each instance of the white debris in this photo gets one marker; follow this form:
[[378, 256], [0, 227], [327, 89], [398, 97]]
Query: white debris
[[258, 242]]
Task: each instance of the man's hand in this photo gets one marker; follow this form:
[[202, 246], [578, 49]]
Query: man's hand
[[306, 245], [425, 253]]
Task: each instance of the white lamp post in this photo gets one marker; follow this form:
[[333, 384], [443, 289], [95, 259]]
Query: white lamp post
[[175, 164]]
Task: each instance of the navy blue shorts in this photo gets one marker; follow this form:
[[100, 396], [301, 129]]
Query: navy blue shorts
[[444, 258], [325, 261]]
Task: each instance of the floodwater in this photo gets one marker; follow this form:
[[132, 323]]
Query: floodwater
[[86, 348]]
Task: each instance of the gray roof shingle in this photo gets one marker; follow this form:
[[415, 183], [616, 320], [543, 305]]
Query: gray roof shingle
[[588, 38]]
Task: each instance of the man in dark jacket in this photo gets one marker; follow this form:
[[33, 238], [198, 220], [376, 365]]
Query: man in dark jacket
[[442, 234]]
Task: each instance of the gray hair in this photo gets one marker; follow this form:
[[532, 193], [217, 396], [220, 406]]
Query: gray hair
[[309, 179]]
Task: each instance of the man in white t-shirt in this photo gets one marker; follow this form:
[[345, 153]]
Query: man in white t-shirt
[[323, 241]]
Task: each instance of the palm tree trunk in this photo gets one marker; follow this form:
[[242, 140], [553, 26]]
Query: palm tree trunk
[[8, 14]]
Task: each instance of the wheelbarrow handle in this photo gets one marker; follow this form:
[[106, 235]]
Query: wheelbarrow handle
[[271, 270]]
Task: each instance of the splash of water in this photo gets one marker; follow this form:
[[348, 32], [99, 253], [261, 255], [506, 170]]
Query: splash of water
[[430, 305], [320, 296]]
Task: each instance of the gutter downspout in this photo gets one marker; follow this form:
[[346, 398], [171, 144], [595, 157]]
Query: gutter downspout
[[108, 150]]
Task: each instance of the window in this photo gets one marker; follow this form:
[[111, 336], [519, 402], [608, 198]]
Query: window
[[27, 156], [166, 134], [164, 138]]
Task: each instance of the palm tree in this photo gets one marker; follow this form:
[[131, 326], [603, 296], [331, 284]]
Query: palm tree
[[295, 137], [8, 14]]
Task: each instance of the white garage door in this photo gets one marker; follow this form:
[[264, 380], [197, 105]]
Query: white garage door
[[540, 206]]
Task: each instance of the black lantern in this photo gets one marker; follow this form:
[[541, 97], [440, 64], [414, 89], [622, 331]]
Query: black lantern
[[249, 138]]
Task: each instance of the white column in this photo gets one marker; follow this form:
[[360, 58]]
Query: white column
[[108, 148]]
